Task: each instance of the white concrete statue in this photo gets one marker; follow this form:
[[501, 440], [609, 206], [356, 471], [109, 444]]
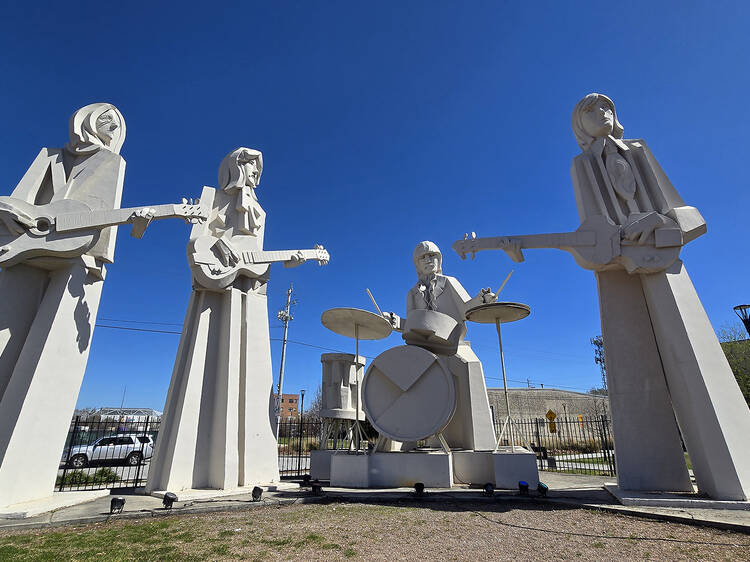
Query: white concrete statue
[[49, 298], [435, 321], [662, 356], [219, 420]]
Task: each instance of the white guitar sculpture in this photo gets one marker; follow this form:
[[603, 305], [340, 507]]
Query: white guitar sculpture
[[68, 228]]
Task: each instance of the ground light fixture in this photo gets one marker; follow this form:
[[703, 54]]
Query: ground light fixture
[[523, 488], [489, 489], [542, 488], [316, 487], [116, 505], [257, 493], [169, 499], [419, 489]]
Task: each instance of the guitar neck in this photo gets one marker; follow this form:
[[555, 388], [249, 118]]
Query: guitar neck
[[556, 240], [275, 256], [105, 218]]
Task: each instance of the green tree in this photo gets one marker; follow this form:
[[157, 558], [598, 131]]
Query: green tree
[[736, 347]]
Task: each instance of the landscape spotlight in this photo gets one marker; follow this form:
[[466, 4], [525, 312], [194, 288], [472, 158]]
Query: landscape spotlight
[[169, 499], [317, 489], [306, 480], [542, 488], [257, 493], [523, 488], [489, 489], [116, 505], [419, 489]]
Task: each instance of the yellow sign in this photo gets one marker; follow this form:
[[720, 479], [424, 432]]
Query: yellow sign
[[550, 415], [552, 427], [580, 420]]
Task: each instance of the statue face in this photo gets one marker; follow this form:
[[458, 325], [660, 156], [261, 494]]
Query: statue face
[[107, 125], [428, 264], [598, 119], [251, 172]]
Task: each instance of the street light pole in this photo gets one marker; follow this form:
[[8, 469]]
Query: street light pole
[[285, 316], [743, 311]]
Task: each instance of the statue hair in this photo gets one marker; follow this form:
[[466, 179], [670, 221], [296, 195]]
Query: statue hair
[[231, 175]]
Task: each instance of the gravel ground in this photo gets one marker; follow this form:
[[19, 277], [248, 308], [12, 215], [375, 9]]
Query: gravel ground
[[400, 531]]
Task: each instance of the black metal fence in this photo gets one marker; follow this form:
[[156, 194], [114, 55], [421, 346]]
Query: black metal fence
[[579, 445], [107, 454], [117, 453]]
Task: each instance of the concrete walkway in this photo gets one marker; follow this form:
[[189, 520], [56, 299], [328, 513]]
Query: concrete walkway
[[571, 490]]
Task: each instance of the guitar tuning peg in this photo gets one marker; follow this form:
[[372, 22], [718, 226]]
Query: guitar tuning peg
[[184, 201], [197, 201], [473, 255], [473, 235], [466, 235]]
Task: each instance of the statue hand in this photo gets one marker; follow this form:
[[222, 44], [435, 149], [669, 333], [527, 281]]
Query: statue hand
[[487, 295], [296, 260], [642, 226], [227, 255], [393, 318]]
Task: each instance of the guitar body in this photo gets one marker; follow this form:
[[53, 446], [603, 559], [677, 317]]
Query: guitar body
[[43, 239], [209, 271]]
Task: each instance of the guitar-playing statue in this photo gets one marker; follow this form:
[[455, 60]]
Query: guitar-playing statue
[[57, 233], [219, 421], [662, 356]]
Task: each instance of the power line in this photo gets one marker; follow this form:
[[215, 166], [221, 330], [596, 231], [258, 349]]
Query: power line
[[141, 322]]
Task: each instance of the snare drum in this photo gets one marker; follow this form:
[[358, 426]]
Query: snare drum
[[434, 331]]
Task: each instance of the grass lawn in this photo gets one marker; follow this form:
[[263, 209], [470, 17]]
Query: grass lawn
[[403, 531]]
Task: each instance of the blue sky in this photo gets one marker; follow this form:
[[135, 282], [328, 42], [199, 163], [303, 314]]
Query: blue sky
[[383, 125]]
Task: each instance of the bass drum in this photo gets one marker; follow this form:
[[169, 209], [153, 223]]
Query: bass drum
[[408, 394]]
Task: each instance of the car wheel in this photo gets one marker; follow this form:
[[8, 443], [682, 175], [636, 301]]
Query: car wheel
[[79, 461], [133, 459]]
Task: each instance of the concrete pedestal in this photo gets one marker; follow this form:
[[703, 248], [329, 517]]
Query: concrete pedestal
[[513, 466], [54, 501], [392, 470], [320, 463]]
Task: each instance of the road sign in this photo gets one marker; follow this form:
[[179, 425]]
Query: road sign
[[552, 427], [550, 415]]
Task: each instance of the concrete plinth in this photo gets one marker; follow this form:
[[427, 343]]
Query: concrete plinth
[[392, 470], [676, 500], [473, 467], [513, 466], [55, 501], [320, 464]]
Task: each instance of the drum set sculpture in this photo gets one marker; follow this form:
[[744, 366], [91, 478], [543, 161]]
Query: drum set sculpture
[[427, 399]]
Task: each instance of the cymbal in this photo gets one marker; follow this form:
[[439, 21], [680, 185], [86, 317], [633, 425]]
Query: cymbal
[[502, 311], [342, 321]]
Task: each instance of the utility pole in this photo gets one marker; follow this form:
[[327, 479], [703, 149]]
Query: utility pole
[[285, 316]]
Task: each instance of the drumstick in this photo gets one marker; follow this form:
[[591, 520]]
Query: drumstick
[[504, 282], [373, 302]]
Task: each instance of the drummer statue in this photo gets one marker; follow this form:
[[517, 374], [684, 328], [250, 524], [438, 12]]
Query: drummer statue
[[471, 426]]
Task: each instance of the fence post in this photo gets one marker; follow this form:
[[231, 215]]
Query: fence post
[[605, 446], [299, 450], [141, 461], [70, 448]]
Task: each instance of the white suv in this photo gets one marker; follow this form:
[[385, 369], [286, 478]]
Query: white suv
[[131, 448]]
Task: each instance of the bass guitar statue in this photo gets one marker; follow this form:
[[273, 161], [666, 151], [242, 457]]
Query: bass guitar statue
[[664, 364]]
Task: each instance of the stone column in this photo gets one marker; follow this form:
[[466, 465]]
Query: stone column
[[51, 346], [648, 451], [710, 408]]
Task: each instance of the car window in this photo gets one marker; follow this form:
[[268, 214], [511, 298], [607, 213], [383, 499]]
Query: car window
[[144, 439], [124, 441], [105, 441]]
